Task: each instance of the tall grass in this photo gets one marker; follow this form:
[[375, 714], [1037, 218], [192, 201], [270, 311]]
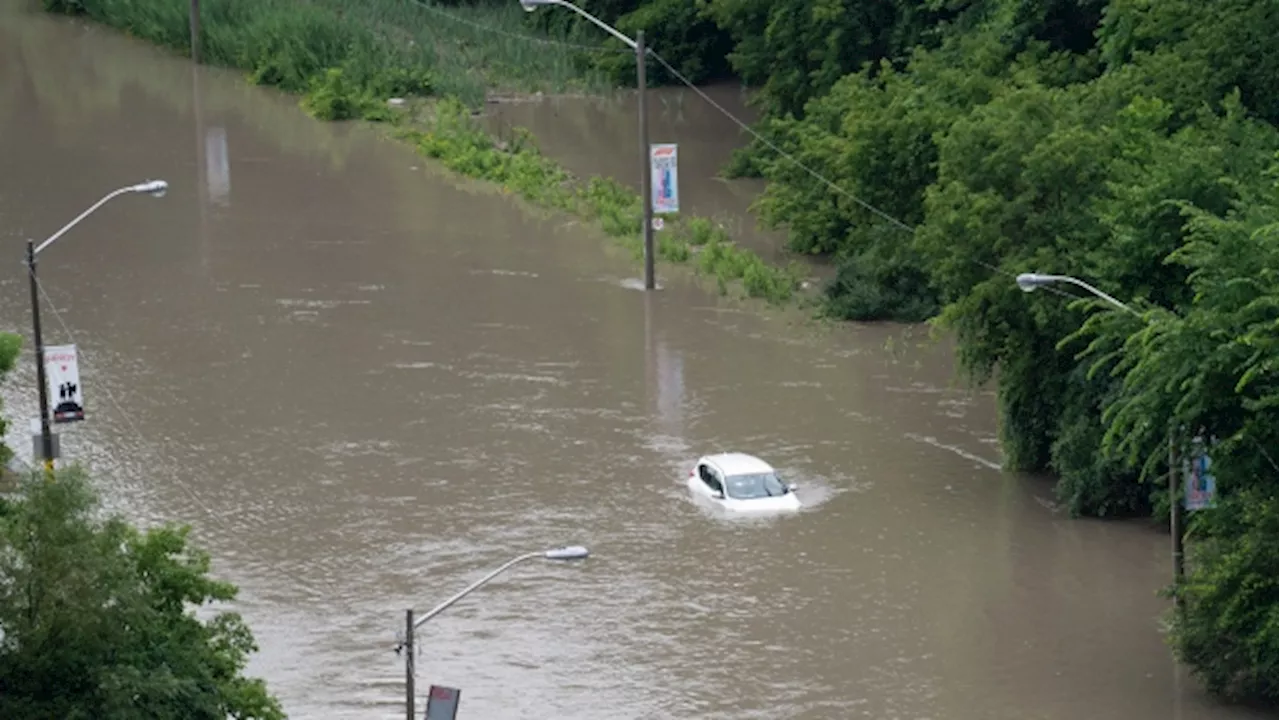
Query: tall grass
[[383, 47]]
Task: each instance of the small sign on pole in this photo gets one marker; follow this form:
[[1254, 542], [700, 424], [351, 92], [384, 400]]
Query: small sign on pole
[[62, 369], [442, 703], [1200, 486], [663, 167]]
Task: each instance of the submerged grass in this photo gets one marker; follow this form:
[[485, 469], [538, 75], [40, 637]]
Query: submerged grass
[[346, 60]]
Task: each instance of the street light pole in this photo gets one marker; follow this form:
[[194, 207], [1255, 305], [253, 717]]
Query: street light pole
[[646, 172], [1029, 282], [46, 434], [155, 188], [571, 552]]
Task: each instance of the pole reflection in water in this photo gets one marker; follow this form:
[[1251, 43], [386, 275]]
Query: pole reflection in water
[[664, 379], [197, 111], [218, 166]]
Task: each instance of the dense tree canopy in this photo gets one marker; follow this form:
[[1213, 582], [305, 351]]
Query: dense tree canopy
[[96, 621]]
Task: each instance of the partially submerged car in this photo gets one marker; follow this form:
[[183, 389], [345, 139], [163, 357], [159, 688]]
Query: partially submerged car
[[741, 482]]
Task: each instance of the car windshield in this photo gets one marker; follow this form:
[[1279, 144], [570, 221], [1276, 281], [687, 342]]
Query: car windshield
[[755, 485]]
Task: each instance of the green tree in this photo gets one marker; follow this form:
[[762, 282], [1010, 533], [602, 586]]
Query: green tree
[[1213, 368], [1195, 52], [96, 620], [1072, 180], [10, 348]]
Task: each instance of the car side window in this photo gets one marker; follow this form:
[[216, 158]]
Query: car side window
[[712, 479]]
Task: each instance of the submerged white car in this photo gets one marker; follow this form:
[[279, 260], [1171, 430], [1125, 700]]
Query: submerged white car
[[742, 482]]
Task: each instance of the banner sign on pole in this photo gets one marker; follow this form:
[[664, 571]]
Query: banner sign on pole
[[1200, 486], [442, 703], [664, 178], [62, 370]]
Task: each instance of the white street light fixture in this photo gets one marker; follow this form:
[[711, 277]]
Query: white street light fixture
[[1029, 282]]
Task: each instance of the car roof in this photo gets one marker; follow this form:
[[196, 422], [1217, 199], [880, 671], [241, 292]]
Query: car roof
[[736, 463]]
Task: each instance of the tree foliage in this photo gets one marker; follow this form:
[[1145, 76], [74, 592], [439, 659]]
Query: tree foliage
[[96, 621], [10, 348], [1212, 368]]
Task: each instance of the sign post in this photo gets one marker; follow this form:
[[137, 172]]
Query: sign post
[[62, 370], [442, 703], [663, 166]]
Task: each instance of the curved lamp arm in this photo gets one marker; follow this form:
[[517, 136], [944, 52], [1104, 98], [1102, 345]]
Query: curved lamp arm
[[152, 187], [531, 5], [1029, 282], [572, 552]]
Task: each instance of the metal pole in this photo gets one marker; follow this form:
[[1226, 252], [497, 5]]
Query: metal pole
[[646, 177], [194, 18], [408, 664], [1175, 524], [46, 435]]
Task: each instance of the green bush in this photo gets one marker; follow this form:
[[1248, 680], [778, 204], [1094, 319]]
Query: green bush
[[867, 288]]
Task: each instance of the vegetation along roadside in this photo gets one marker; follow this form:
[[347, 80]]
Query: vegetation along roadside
[[1129, 142]]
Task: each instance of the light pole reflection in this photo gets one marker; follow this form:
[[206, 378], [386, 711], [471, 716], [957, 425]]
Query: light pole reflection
[[664, 369], [213, 166]]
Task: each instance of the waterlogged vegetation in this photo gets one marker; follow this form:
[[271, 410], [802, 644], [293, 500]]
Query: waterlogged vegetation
[[1128, 142]]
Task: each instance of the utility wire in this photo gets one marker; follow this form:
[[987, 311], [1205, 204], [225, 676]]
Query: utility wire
[[133, 427], [429, 7]]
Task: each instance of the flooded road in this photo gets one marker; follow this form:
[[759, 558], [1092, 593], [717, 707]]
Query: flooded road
[[366, 384]]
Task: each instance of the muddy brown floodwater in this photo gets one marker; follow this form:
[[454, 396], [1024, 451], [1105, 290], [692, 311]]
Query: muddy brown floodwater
[[366, 384]]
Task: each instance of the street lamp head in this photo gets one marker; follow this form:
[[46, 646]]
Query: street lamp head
[[154, 188], [531, 5], [1029, 282], [571, 552]]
